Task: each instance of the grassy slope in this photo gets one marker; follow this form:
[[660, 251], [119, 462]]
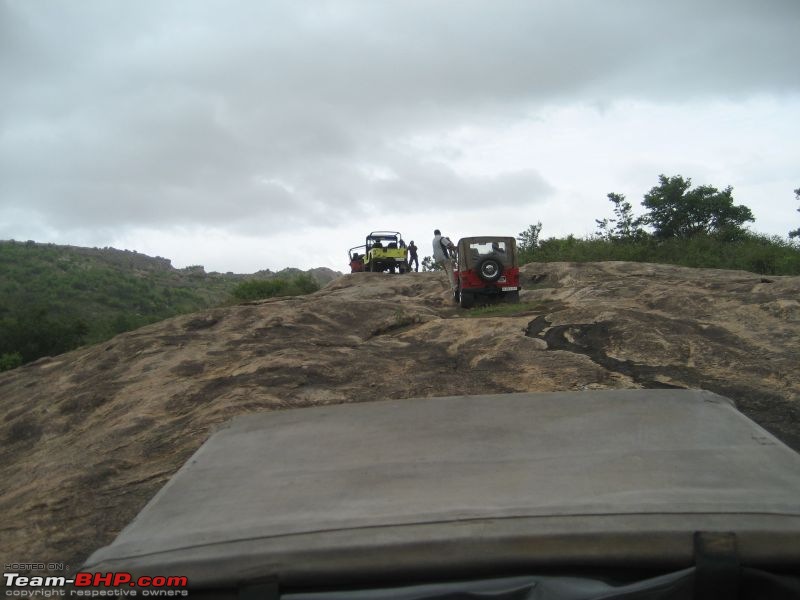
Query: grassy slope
[[755, 253], [54, 298]]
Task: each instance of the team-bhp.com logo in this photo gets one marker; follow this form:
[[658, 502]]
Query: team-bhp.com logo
[[95, 585]]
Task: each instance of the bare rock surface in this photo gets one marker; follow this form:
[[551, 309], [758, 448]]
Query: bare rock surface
[[88, 437]]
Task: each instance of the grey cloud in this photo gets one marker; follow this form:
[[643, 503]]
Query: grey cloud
[[370, 57], [434, 185], [187, 112]]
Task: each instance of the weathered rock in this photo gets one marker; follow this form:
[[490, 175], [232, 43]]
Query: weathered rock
[[89, 436]]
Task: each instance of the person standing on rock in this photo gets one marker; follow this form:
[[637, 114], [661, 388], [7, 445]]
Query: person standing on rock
[[413, 259], [443, 251]]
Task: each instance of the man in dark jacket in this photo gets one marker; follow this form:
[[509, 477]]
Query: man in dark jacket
[[413, 259]]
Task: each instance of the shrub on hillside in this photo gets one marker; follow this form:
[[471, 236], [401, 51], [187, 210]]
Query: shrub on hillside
[[256, 289], [10, 360], [259, 289]]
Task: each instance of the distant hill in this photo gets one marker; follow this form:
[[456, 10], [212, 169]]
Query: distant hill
[[55, 298]]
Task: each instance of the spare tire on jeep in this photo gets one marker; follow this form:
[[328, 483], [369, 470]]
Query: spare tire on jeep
[[489, 269]]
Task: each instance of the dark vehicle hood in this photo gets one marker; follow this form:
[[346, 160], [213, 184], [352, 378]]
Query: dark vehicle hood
[[458, 485]]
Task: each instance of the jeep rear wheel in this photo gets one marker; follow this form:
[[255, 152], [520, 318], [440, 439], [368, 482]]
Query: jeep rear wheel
[[489, 269], [466, 299]]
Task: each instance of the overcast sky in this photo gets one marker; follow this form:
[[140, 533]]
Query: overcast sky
[[246, 135]]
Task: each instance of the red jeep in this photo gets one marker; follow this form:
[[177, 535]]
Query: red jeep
[[356, 255], [486, 269]]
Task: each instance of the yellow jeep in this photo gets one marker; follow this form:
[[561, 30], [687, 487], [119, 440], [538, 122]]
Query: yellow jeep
[[385, 251]]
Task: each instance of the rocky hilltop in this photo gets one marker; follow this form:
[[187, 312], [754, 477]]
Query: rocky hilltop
[[88, 437]]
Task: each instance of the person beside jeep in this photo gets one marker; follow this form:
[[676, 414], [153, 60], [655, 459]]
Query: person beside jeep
[[443, 252], [413, 259]]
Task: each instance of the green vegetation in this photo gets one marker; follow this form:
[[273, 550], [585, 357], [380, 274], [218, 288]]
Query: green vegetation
[[428, 265], [529, 239], [56, 298], [676, 211], [752, 252], [501, 309], [257, 289], [625, 225], [698, 227], [10, 360]]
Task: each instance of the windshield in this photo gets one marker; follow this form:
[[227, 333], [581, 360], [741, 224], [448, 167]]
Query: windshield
[[475, 251]]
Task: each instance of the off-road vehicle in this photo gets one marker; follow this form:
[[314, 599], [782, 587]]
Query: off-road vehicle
[[356, 256], [385, 251], [486, 270]]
